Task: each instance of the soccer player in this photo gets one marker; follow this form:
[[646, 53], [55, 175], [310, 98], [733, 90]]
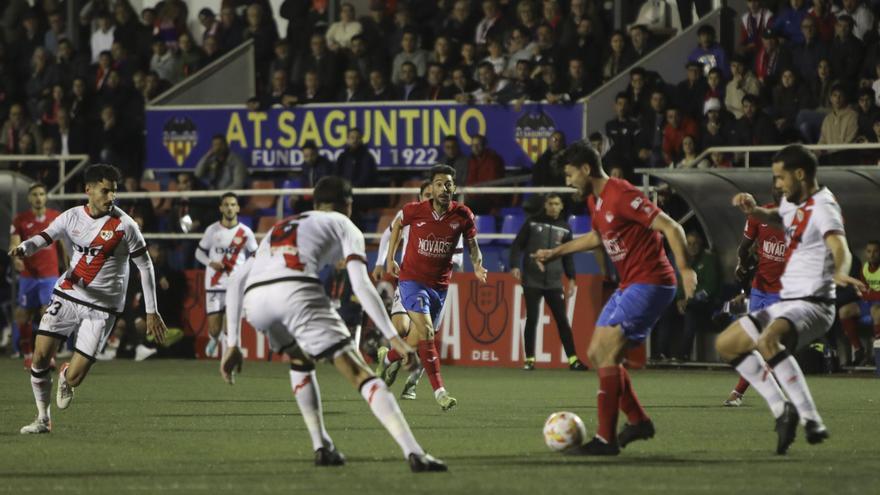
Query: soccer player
[[768, 241], [279, 293], [630, 227], [87, 299], [871, 276], [817, 258], [399, 317], [224, 247], [436, 227], [37, 273]]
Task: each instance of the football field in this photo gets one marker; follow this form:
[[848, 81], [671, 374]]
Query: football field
[[174, 427]]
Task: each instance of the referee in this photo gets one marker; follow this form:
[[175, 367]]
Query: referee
[[545, 231]]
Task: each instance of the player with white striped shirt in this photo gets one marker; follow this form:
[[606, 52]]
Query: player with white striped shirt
[[817, 260], [87, 299]]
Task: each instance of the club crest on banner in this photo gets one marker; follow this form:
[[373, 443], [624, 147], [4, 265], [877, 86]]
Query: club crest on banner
[[533, 131], [179, 136]]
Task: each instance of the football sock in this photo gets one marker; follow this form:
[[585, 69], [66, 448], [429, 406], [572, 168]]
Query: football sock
[[25, 336], [850, 328], [792, 380], [572, 359], [308, 397], [752, 367], [415, 375], [392, 356], [629, 401], [741, 386], [608, 402], [386, 410], [41, 383], [431, 363]]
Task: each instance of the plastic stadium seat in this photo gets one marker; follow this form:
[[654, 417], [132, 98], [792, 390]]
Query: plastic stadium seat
[[485, 225], [265, 224], [512, 210], [511, 225], [260, 202], [579, 224], [290, 184]]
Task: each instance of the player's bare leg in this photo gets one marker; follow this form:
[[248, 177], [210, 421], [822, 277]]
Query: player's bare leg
[[70, 376], [24, 319], [423, 330], [352, 366], [216, 324], [738, 345], [389, 359], [41, 383], [304, 384]]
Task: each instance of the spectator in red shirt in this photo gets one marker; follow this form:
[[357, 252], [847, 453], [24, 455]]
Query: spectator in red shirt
[[677, 127], [484, 165]]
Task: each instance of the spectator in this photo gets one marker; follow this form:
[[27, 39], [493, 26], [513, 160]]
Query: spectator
[[54, 34], [196, 213], [68, 64], [825, 19], [340, 33], [742, 82], [452, 156], [299, 29], [639, 93], [460, 26], [492, 25], [650, 143], [353, 90], [102, 37], [588, 46], [868, 113], [81, 102], [410, 52], [714, 85], [677, 127], [379, 88], [690, 93], [191, 58], [210, 26], [521, 88], [807, 54], [715, 129], [411, 88], [221, 169], [698, 310], [619, 56], [841, 125], [623, 131], [443, 54], [211, 48], [326, 64], [526, 16], [280, 93], [847, 53], [788, 22], [435, 89], [116, 142], [548, 51], [771, 59], [139, 207], [102, 70], [571, 24], [70, 136], [549, 87], [315, 166], [689, 154], [754, 127], [171, 16], [468, 58], [709, 53], [490, 85], [165, 63], [496, 56], [861, 15], [362, 59], [640, 40], [549, 170], [752, 23], [377, 29], [356, 163], [789, 97], [519, 47], [579, 86], [133, 35], [260, 27], [462, 84], [281, 59], [122, 62], [231, 31], [38, 88], [809, 119], [23, 43], [16, 126], [484, 165], [402, 24]]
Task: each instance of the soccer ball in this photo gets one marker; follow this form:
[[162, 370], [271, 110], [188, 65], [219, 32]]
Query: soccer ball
[[564, 430]]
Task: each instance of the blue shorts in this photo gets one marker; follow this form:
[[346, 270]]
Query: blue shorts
[[759, 299], [419, 298], [636, 309], [34, 293]]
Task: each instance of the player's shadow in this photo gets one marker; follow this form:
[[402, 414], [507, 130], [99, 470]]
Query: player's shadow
[[532, 459], [54, 473], [228, 414]]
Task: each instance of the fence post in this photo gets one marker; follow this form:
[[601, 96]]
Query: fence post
[[748, 155], [62, 173]]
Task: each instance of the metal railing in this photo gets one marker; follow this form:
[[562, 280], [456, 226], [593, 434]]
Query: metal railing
[[63, 174], [747, 150]]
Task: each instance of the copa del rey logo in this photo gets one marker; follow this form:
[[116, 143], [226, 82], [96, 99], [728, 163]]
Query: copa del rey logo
[[435, 247]]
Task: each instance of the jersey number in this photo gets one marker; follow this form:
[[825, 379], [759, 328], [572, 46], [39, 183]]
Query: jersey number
[[284, 235]]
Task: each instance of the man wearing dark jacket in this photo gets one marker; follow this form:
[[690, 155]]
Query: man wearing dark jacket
[[545, 231]]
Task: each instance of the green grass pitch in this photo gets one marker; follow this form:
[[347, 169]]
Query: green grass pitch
[[174, 427]]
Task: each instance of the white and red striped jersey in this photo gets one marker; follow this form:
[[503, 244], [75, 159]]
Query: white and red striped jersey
[[229, 246], [101, 248], [301, 245], [809, 268]]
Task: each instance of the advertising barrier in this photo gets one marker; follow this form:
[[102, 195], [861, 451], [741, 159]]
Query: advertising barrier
[[398, 135]]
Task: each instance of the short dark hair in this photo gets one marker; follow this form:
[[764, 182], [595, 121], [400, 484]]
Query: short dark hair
[[622, 94], [550, 196], [638, 71], [580, 154], [221, 137], [37, 185], [441, 170], [102, 171], [706, 29], [310, 145], [796, 156], [751, 99], [229, 194], [875, 242], [425, 184], [451, 138], [331, 189]]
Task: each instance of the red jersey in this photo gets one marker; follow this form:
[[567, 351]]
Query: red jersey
[[622, 216], [433, 240], [43, 263], [770, 246]]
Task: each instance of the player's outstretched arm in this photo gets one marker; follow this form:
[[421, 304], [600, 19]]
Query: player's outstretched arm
[[391, 265], [743, 252], [477, 259], [382, 255], [155, 325], [839, 248], [747, 204], [674, 233], [586, 242]]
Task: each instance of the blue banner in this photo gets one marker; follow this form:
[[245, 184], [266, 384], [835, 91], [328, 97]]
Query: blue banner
[[398, 135]]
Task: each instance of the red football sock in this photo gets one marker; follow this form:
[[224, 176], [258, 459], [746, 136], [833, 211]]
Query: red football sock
[[393, 355], [629, 401], [25, 338], [850, 328], [431, 362], [608, 402], [741, 386]]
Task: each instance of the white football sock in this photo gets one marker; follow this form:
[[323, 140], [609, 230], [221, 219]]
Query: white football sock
[[308, 398], [792, 380], [385, 408], [42, 387], [755, 370]]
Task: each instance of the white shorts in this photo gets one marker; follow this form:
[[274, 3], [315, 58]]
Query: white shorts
[[811, 320], [294, 312], [396, 304], [92, 327], [215, 302]]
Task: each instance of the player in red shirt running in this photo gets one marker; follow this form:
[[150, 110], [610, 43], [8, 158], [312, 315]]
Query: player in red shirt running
[[37, 273], [630, 227], [768, 243], [435, 229]]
